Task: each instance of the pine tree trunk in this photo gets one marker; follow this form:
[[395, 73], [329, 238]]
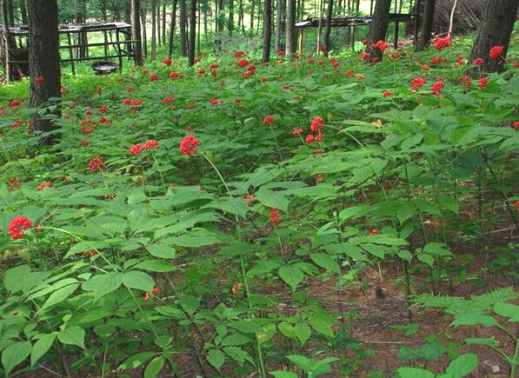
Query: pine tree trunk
[[172, 29], [379, 26], [136, 31], [495, 29], [192, 33], [164, 21], [290, 29], [328, 30], [206, 26], [280, 24], [241, 23], [251, 27], [6, 34], [153, 29], [183, 34], [427, 24], [267, 30], [230, 25], [219, 25], [44, 61], [144, 29], [23, 11], [159, 24]]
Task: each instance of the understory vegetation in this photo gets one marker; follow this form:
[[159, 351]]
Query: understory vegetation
[[235, 219]]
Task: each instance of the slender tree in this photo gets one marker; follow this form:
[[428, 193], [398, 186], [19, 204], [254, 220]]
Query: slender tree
[[164, 18], [44, 62], [379, 26], [252, 9], [328, 30], [183, 31], [267, 30], [136, 31], [279, 26], [172, 29], [495, 30], [427, 24], [153, 28], [23, 11], [144, 29], [192, 33], [230, 24], [290, 29]]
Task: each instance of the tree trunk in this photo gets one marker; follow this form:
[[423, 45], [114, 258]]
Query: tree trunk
[[219, 25], [379, 26], [230, 25], [159, 25], [192, 33], [172, 29], [10, 12], [267, 30], [164, 18], [495, 29], [427, 23], [280, 24], [23, 11], [251, 27], [44, 62], [206, 27], [6, 34], [290, 29], [183, 20], [136, 31], [241, 23], [153, 29], [144, 29], [328, 30]]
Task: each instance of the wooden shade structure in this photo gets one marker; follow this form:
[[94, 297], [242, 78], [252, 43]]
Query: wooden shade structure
[[117, 43]]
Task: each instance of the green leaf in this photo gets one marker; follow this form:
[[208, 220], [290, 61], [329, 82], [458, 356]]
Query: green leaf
[[189, 304], [487, 341], [286, 329], [405, 213], [216, 358], [302, 332], [41, 347], [154, 367], [103, 284], [238, 354], [283, 374], [463, 365], [171, 312], [474, 318], [350, 212], [428, 259], [291, 275], [405, 255], [408, 372], [136, 360], [272, 199], [155, 266], [507, 310], [235, 339], [321, 327], [161, 251], [449, 202], [72, 336], [326, 261], [14, 355], [58, 296], [138, 280]]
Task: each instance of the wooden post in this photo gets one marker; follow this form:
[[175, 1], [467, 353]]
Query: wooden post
[[395, 42], [70, 50], [119, 53], [7, 58], [300, 42], [352, 33]]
